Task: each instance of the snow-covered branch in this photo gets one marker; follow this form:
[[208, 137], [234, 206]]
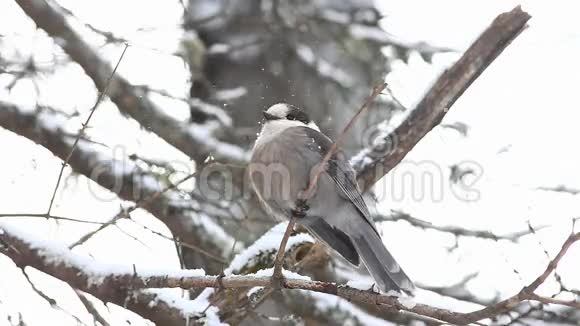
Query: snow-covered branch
[[83, 274], [111, 282], [125, 179], [196, 141]]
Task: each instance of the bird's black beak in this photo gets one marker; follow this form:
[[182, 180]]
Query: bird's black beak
[[269, 116]]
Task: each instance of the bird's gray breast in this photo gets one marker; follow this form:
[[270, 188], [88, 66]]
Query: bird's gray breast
[[281, 168]]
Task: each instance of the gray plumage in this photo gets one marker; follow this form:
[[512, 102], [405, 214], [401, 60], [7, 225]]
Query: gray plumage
[[283, 159]]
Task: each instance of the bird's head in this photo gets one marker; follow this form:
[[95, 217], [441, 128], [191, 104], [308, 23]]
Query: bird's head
[[283, 111]]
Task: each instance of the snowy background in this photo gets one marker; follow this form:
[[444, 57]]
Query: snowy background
[[521, 117]]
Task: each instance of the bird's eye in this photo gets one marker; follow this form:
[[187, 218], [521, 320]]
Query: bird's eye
[[291, 117]]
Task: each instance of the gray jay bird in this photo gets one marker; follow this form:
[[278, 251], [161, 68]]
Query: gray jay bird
[[285, 155]]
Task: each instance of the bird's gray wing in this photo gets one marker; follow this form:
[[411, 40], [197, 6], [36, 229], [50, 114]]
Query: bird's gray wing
[[340, 171], [334, 238], [361, 233]]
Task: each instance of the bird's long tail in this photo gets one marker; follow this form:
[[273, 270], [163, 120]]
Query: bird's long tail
[[378, 261]]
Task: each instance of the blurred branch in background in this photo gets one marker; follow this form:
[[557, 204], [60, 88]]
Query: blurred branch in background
[[195, 141], [455, 230]]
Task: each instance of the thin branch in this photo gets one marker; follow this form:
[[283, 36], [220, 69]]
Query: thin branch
[[129, 235], [182, 244], [455, 230], [124, 214], [143, 203], [374, 163], [554, 263], [278, 261], [84, 126], [91, 309], [560, 188], [53, 304], [527, 293], [548, 300], [48, 299], [459, 291], [54, 217]]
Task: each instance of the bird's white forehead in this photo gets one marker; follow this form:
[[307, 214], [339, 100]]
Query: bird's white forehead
[[279, 110]]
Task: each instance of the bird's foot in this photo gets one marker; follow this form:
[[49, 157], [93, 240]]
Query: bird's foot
[[301, 208]]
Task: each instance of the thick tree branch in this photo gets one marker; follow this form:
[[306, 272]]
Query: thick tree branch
[[47, 258], [373, 163], [195, 141]]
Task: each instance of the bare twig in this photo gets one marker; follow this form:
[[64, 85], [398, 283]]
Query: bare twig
[[561, 188], [183, 244], [126, 213], [84, 126], [527, 293], [444, 92], [143, 204], [279, 260], [548, 300], [455, 230], [460, 292], [48, 299], [54, 217], [91, 308], [53, 304]]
